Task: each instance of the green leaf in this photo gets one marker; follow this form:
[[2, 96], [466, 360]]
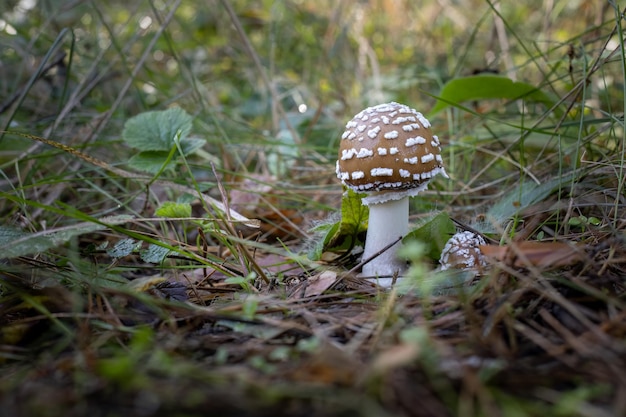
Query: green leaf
[[155, 254], [434, 233], [149, 161], [14, 242], [122, 248], [525, 195], [157, 130], [348, 232], [354, 215], [190, 145], [481, 87], [326, 232], [172, 209]]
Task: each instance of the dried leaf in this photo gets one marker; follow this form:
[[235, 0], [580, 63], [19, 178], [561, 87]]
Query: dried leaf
[[328, 365], [145, 283], [247, 197], [320, 283], [396, 357], [258, 196], [541, 254], [315, 285]]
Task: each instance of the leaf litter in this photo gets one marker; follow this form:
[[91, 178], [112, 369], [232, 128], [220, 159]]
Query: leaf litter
[[540, 331], [545, 320], [544, 315]]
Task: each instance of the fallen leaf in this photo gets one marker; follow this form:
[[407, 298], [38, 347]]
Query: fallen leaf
[[145, 283], [315, 285], [327, 365], [320, 283], [540, 254], [258, 196], [395, 357]]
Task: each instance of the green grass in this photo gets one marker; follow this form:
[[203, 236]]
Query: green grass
[[127, 290]]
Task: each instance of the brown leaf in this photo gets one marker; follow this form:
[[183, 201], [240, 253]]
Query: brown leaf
[[328, 365], [316, 285], [395, 357], [259, 197], [247, 197], [541, 254]]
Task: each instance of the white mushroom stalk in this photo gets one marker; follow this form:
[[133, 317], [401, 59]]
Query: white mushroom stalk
[[389, 152], [388, 222]]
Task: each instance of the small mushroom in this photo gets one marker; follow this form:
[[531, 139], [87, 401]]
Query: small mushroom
[[389, 152], [462, 251]]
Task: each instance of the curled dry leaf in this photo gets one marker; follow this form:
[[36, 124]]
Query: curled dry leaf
[[316, 285], [145, 283], [539, 254]]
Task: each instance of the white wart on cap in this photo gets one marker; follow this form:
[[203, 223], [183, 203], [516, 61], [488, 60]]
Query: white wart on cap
[[390, 151]]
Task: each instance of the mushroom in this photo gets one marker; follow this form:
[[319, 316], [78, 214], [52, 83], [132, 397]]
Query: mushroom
[[462, 251], [389, 152]]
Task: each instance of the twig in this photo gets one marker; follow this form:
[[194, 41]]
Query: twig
[[374, 256]]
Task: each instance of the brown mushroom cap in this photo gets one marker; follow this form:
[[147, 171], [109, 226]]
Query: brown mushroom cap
[[462, 251], [389, 149]]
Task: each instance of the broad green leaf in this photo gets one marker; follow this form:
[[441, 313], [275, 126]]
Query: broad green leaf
[[190, 145], [354, 217], [326, 232], [155, 254], [525, 195], [14, 242], [354, 214], [172, 209], [122, 248], [343, 234], [481, 87], [157, 130], [434, 233], [149, 161]]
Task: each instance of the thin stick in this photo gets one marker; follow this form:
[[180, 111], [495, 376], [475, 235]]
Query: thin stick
[[374, 256]]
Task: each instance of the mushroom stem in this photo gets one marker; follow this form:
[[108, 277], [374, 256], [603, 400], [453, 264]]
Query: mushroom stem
[[388, 221]]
